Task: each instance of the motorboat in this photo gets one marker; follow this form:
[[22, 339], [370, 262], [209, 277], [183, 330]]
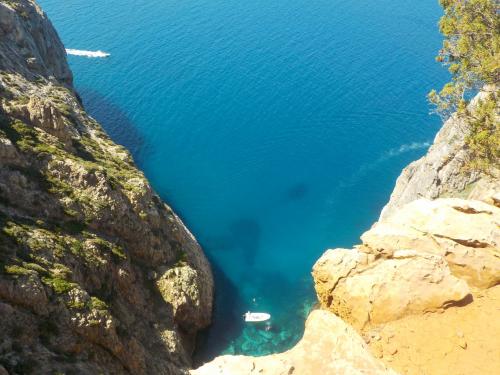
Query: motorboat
[[256, 316]]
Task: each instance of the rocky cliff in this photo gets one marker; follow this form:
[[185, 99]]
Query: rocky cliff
[[425, 273], [441, 172], [97, 274]]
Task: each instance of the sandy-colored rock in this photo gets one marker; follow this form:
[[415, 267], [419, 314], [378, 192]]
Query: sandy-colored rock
[[463, 340], [329, 347], [41, 113], [385, 289], [465, 232]]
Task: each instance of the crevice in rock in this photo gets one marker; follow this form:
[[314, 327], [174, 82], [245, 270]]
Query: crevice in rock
[[463, 302], [471, 210], [468, 243]]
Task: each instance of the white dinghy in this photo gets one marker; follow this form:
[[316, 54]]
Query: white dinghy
[[256, 317]]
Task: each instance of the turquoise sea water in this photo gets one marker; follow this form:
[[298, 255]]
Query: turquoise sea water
[[276, 129]]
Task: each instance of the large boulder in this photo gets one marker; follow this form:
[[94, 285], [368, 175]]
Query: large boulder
[[179, 287], [363, 290], [465, 232], [329, 346]]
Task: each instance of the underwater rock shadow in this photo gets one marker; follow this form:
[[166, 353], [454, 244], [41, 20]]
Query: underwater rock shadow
[[113, 119], [297, 191], [246, 233], [242, 235]]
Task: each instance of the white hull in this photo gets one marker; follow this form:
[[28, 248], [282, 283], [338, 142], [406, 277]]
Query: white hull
[[256, 317], [78, 52]]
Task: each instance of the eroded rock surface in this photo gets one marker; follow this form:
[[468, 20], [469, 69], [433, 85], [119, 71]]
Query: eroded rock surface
[[363, 290], [97, 274], [424, 257], [465, 232]]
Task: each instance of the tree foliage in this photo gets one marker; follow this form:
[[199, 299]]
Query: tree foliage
[[483, 138], [471, 50]]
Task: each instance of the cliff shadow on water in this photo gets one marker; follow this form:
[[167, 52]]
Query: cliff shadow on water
[[114, 120], [227, 318], [229, 334]]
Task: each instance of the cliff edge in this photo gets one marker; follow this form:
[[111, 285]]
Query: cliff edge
[[417, 294], [442, 171], [97, 274]]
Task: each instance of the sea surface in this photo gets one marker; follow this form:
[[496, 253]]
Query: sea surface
[[275, 129]]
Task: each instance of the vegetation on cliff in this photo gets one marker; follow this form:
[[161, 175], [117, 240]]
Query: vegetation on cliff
[[471, 50], [90, 273]]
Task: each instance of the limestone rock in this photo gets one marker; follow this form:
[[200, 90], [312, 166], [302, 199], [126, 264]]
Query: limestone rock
[[178, 287], [440, 172], [43, 114], [375, 292], [465, 232], [8, 152], [329, 346], [33, 46]]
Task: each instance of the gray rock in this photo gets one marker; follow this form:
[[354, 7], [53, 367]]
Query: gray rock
[[440, 173]]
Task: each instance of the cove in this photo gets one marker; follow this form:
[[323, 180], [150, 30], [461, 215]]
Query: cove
[[275, 129]]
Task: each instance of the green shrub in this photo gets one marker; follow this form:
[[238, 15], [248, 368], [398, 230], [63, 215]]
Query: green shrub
[[471, 50], [16, 270], [97, 304], [35, 267], [58, 284], [77, 305]]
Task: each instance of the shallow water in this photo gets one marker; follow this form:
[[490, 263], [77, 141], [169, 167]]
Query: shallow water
[[275, 129]]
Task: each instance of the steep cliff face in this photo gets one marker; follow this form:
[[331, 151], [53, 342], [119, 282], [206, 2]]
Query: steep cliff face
[[30, 45], [441, 172], [97, 274]]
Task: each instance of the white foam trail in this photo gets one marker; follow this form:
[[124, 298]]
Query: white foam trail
[[93, 54], [405, 148], [364, 169]]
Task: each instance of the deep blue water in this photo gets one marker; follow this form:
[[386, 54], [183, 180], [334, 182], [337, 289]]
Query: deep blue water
[[276, 129]]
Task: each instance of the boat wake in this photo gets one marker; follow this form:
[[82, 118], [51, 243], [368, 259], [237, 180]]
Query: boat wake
[[91, 54], [391, 154], [405, 148], [394, 152]]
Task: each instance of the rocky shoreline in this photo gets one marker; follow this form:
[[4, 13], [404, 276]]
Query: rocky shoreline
[[98, 275]]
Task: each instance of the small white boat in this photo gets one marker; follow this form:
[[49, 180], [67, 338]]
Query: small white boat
[[78, 52], [256, 317]]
